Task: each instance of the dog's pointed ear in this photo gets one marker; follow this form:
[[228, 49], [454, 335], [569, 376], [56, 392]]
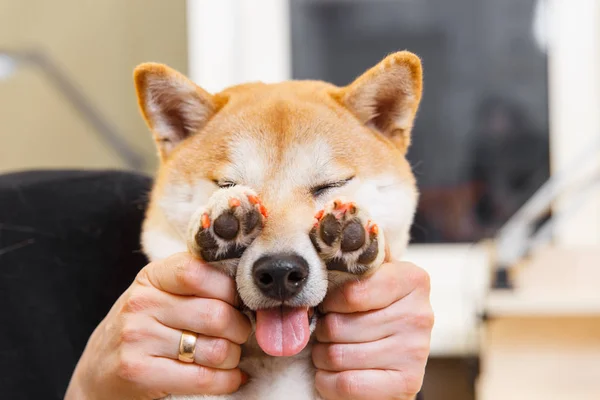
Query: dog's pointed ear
[[173, 106], [387, 96]]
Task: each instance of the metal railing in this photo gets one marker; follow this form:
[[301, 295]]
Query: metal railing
[[519, 236]]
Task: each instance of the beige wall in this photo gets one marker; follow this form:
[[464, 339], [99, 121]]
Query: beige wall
[[98, 43]]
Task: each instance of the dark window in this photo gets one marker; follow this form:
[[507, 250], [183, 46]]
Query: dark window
[[480, 143]]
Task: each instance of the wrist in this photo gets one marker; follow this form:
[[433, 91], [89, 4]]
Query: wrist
[[75, 390], [79, 385]]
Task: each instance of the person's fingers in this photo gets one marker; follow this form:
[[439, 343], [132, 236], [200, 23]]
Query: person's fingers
[[182, 274], [393, 281], [210, 351], [393, 353], [150, 337], [401, 317], [204, 316], [368, 385], [165, 375], [339, 357]]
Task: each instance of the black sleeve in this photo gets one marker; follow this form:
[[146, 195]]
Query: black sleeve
[[69, 246]]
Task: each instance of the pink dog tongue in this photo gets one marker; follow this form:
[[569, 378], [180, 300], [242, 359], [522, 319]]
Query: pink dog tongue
[[282, 331]]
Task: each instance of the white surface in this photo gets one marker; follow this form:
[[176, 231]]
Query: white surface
[[236, 41], [211, 43], [459, 281], [524, 304], [574, 89]]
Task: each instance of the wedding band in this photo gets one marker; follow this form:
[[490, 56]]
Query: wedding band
[[187, 346]]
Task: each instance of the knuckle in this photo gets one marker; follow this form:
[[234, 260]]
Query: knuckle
[[186, 274], [217, 317], [204, 378], [217, 352], [356, 295], [421, 353], [423, 320], [130, 333], [336, 355], [130, 369], [420, 279], [410, 383], [348, 384], [142, 277], [137, 302], [428, 320], [333, 326]]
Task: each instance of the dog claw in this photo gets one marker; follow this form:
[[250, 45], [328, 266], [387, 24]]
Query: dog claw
[[205, 221], [263, 211], [374, 229], [233, 202], [340, 209]]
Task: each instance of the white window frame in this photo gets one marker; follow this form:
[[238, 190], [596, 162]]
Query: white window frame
[[574, 97], [236, 41]]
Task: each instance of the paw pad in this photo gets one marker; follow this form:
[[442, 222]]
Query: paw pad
[[231, 221], [227, 226], [346, 239]]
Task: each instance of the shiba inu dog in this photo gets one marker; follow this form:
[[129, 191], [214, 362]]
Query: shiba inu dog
[[290, 188]]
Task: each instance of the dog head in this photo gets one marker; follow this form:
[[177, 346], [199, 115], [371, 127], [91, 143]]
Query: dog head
[[298, 145]]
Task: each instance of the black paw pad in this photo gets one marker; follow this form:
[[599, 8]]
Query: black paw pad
[[205, 239], [210, 250], [330, 229], [353, 237], [337, 264], [313, 238], [370, 253], [251, 221], [227, 226], [207, 244]]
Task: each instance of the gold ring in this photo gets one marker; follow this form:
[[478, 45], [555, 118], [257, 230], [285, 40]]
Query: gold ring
[[187, 346]]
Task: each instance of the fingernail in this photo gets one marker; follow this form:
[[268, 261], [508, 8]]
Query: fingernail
[[245, 378]]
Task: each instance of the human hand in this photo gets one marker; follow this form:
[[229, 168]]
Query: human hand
[[374, 339], [133, 353]]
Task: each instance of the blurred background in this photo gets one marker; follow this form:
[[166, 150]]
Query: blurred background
[[506, 146]]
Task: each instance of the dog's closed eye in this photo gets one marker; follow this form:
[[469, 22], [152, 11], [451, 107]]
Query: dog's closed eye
[[224, 183], [321, 189]]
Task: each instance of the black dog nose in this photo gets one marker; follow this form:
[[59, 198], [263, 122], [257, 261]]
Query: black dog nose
[[280, 276]]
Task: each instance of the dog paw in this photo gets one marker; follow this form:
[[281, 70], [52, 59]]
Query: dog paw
[[224, 228], [346, 239]]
